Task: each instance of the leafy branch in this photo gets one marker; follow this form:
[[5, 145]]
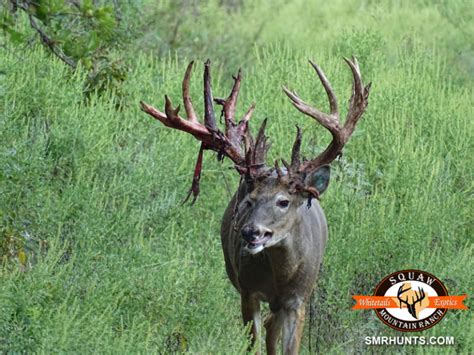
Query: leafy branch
[[74, 31]]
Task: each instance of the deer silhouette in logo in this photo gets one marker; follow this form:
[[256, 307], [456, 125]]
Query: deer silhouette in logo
[[414, 300]]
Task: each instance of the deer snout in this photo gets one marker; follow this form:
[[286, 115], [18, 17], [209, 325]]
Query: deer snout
[[250, 233]]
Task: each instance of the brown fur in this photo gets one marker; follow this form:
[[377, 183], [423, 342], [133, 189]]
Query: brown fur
[[283, 274]]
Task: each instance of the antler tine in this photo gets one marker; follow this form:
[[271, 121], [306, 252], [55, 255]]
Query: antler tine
[[230, 103], [188, 105], [328, 122], [358, 101], [354, 65], [421, 293], [171, 113], [401, 290], [236, 133], [260, 147], [209, 117], [156, 114], [295, 153], [278, 170], [234, 94], [287, 166], [329, 91], [194, 190], [248, 114], [399, 293], [242, 127]]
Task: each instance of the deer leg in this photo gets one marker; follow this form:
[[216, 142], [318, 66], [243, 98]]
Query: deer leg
[[293, 329], [273, 325], [251, 313]]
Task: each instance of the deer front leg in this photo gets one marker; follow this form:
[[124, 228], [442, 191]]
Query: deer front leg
[[250, 307], [293, 322], [273, 325]]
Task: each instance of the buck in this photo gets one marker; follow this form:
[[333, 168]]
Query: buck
[[274, 231]]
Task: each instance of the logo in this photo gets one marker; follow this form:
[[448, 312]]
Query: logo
[[410, 300]]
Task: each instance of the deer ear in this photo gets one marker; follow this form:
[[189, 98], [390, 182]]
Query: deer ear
[[319, 179]]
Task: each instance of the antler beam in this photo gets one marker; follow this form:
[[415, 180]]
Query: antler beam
[[330, 121]]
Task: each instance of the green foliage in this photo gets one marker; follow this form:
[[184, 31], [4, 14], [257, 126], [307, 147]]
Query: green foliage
[[78, 32], [199, 29], [92, 196]]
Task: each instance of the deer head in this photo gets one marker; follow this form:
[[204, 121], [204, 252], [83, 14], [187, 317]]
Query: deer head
[[269, 214], [415, 301]]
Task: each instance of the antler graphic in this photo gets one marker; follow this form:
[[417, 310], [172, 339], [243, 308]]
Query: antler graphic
[[411, 306]]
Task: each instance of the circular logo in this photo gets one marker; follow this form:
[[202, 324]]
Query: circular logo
[[409, 293]]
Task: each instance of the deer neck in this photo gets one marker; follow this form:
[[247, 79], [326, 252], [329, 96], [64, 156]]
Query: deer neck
[[284, 261]]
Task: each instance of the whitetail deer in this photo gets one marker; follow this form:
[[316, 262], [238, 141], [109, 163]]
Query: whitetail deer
[[273, 231]]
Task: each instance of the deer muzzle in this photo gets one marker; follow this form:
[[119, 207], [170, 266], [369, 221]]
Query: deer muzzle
[[256, 237]]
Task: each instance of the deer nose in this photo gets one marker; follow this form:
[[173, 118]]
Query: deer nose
[[252, 232]]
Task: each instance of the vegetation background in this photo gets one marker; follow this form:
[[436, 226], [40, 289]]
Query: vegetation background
[[98, 254]]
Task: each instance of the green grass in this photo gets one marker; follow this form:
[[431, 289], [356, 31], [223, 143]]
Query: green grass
[[92, 194]]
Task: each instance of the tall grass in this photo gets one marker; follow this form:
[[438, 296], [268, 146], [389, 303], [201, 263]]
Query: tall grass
[[92, 194]]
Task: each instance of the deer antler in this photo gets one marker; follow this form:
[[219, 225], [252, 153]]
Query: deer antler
[[236, 142], [340, 134]]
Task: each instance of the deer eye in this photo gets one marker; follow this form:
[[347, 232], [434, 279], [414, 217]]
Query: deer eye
[[283, 203]]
